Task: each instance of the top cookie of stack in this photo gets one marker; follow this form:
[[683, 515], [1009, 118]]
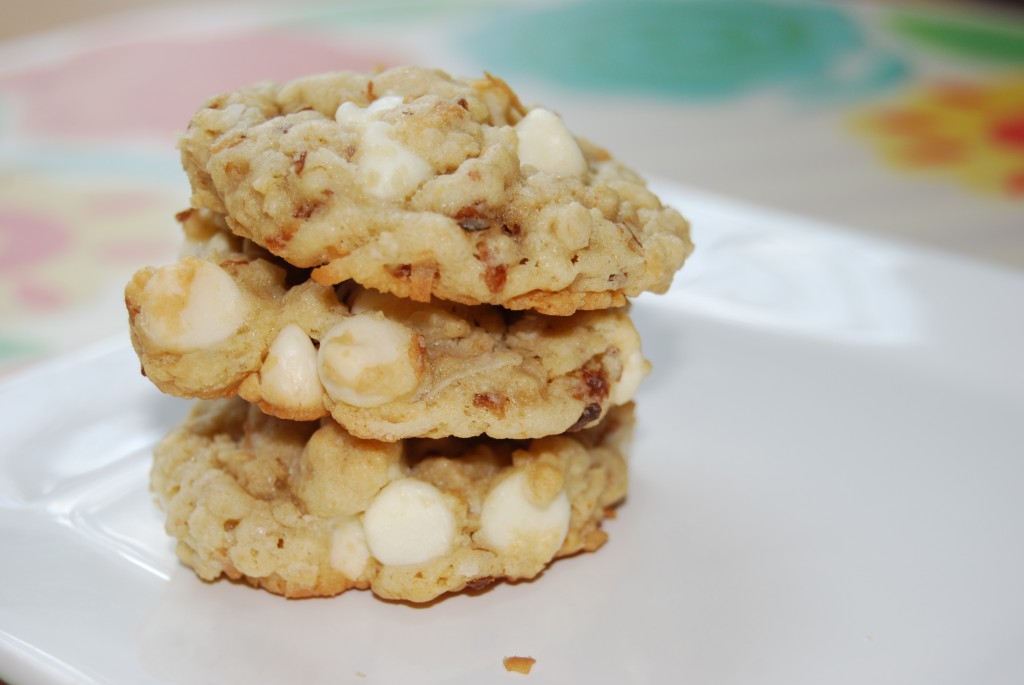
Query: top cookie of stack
[[414, 255], [417, 184]]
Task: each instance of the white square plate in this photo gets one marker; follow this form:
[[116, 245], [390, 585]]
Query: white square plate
[[827, 487]]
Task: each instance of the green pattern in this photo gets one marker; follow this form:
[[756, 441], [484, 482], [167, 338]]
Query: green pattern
[[962, 36], [12, 348], [694, 49], [380, 12]]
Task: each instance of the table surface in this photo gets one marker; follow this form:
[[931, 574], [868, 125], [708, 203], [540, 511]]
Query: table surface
[[896, 120]]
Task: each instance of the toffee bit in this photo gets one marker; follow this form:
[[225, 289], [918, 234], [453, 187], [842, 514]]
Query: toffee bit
[[591, 413], [597, 382], [185, 215], [231, 265], [280, 241], [513, 231], [492, 401], [306, 209], [402, 271], [495, 277], [300, 162]]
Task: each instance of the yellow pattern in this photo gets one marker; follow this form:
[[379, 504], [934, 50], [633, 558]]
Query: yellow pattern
[[972, 132]]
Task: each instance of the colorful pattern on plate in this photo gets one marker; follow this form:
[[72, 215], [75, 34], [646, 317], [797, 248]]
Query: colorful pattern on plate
[[109, 92], [962, 36], [972, 132], [701, 49], [54, 255]]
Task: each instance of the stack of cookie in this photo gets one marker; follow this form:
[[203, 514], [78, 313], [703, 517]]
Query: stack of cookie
[[402, 302]]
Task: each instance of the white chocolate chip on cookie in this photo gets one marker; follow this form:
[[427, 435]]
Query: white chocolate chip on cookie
[[511, 524], [387, 168], [190, 305], [421, 185], [368, 360], [351, 114], [288, 377], [547, 145], [634, 367], [409, 522], [349, 552]]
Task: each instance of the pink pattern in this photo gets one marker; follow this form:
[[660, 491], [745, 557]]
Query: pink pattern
[[136, 252], [40, 297], [153, 87], [26, 238], [115, 204]]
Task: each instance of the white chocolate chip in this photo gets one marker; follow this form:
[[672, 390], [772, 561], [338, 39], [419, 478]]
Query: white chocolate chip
[[368, 360], [547, 145], [351, 114], [190, 305], [349, 552], [387, 168], [288, 377], [634, 369], [409, 523], [511, 524], [634, 366]]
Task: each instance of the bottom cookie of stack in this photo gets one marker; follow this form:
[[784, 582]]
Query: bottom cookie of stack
[[305, 509]]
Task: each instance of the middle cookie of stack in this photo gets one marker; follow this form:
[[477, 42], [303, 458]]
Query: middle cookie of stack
[[235, 320]]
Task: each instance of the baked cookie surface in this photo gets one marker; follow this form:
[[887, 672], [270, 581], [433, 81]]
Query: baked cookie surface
[[417, 184], [234, 321], [305, 509]]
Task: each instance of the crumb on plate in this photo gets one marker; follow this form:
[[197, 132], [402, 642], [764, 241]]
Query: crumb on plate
[[519, 664]]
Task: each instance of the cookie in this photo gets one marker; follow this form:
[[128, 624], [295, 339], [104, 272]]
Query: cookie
[[235, 322], [421, 185], [305, 509]]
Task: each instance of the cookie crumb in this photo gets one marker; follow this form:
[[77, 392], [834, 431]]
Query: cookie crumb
[[519, 664]]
